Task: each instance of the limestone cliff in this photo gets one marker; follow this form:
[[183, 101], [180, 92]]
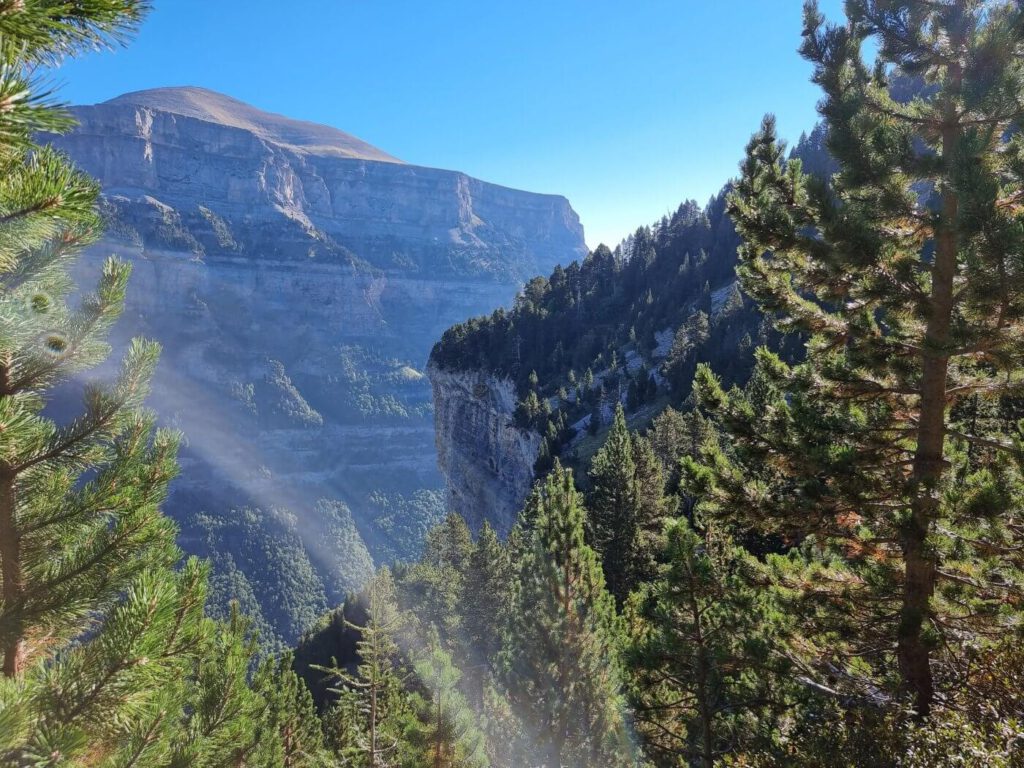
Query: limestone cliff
[[487, 460], [297, 278], [188, 169]]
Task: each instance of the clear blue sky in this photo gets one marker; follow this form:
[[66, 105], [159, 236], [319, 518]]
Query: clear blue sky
[[624, 108]]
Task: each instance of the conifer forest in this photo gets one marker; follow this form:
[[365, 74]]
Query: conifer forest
[[773, 506]]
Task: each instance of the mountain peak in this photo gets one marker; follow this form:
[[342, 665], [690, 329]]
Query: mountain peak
[[210, 106]]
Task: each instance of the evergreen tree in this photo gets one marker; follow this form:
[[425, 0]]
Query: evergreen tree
[[628, 506], [485, 606], [432, 588], [270, 723], [290, 712], [691, 336], [102, 634], [529, 411], [561, 666], [109, 530], [122, 691], [449, 544], [445, 733], [668, 436], [707, 672], [374, 691], [653, 509], [588, 380], [903, 273], [613, 503]]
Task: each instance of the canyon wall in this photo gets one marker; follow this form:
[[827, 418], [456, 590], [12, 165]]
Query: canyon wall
[[486, 459], [297, 278]]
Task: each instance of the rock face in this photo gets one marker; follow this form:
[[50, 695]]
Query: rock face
[[188, 169], [486, 459], [297, 279]]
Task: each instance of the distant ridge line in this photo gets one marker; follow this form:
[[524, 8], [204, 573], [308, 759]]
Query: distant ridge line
[[299, 135]]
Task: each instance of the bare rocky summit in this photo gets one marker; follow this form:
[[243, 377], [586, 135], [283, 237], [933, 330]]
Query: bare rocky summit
[[211, 107]]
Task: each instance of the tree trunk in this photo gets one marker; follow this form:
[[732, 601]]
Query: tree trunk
[[373, 725], [437, 738], [707, 758], [920, 560], [13, 578]]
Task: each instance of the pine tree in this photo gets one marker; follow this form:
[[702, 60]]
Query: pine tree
[[445, 733], [432, 588], [690, 336], [270, 723], [588, 380], [449, 544], [707, 674], [560, 662], [484, 607], [290, 713], [123, 690], [902, 271], [628, 508], [653, 510], [613, 503], [47, 214], [668, 436], [374, 691]]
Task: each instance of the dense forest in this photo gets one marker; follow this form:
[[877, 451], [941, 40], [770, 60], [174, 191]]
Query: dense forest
[[627, 326], [809, 555]]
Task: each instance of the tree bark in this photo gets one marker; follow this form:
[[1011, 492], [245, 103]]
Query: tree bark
[[13, 577], [921, 562], [373, 725], [707, 758]]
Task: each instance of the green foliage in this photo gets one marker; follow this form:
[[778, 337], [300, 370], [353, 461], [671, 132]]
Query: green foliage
[[445, 733], [400, 522], [587, 316], [290, 713], [691, 336], [120, 692], [289, 406], [229, 721], [374, 692], [433, 586], [709, 675], [628, 508], [484, 606], [82, 543], [560, 658], [901, 271], [261, 558], [331, 640], [873, 460]]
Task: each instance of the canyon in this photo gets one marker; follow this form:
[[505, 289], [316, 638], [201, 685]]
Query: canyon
[[297, 278]]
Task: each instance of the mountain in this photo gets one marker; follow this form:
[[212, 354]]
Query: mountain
[[207, 106], [188, 170], [297, 277]]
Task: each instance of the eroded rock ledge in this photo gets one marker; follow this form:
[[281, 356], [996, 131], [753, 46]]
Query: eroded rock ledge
[[487, 460]]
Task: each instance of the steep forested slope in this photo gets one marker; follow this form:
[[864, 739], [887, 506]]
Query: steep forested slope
[[632, 302], [629, 325]]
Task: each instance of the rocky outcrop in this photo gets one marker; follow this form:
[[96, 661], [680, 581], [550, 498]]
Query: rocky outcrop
[[487, 460], [189, 169], [297, 278]]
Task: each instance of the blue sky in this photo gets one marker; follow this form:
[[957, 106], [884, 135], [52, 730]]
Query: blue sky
[[626, 109]]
